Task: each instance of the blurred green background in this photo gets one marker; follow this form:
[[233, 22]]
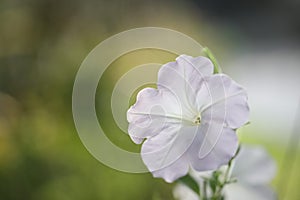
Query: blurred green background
[[42, 44]]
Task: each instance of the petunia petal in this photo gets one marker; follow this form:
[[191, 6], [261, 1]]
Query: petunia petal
[[177, 169], [183, 78], [238, 191], [223, 101], [213, 147], [153, 111], [254, 166], [165, 154]]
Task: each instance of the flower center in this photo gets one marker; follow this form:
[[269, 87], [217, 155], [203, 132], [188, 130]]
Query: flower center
[[197, 120]]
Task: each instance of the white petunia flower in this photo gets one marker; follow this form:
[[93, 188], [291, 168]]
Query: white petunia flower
[[189, 120], [253, 169]]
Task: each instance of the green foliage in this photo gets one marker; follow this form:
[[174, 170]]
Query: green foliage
[[191, 183]]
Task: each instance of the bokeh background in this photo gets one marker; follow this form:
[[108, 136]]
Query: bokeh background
[[43, 42]]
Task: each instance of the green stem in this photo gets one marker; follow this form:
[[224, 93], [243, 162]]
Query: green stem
[[226, 177], [211, 56], [226, 180], [205, 190]]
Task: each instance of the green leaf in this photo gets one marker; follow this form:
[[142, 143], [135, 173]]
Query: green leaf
[[213, 185], [191, 183]]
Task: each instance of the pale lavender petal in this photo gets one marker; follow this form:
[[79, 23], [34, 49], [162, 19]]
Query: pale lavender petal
[[209, 152], [184, 78], [223, 101], [177, 169], [238, 191], [165, 154], [153, 111], [254, 166]]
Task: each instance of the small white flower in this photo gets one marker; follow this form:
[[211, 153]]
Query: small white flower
[[189, 120], [253, 169]]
